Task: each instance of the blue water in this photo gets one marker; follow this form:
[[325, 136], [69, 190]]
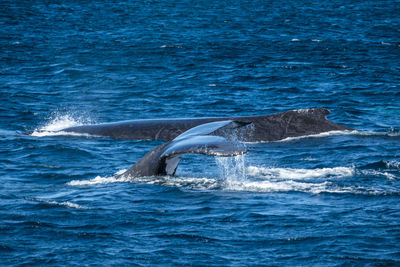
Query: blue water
[[324, 200]]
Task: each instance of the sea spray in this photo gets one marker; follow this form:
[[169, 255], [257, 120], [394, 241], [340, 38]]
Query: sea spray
[[232, 170], [58, 121]]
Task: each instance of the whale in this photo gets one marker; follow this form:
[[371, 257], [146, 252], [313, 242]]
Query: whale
[[265, 128], [216, 138]]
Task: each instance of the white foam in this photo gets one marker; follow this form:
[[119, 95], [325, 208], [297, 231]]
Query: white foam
[[313, 181], [267, 180], [393, 164], [117, 178], [384, 174], [300, 174], [67, 204], [320, 135], [334, 133], [312, 188], [54, 126], [169, 181], [390, 133], [265, 186], [344, 132], [202, 183], [236, 177]]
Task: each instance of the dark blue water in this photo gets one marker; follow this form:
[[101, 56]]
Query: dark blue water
[[330, 200]]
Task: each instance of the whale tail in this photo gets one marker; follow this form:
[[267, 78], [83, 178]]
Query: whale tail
[[206, 145], [214, 138]]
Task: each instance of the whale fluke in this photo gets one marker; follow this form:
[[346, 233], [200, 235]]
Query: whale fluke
[[202, 139]]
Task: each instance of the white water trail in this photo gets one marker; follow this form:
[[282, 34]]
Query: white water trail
[[390, 133], [197, 183], [300, 174], [98, 180], [235, 176], [67, 204]]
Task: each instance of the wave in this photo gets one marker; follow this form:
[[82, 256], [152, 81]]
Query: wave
[[67, 204], [382, 164]]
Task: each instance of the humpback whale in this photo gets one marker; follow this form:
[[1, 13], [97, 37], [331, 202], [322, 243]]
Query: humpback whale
[[213, 138], [278, 126], [216, 136]]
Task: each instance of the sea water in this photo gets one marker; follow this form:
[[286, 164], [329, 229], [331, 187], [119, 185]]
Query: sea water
[[329, 199]]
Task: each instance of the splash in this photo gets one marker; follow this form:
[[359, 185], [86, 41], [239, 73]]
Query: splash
[[232, 171], [59, 122]]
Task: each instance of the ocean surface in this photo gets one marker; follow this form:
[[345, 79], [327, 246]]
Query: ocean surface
[[326, 200]]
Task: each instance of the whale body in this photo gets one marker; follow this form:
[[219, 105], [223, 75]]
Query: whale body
[[278, 126]]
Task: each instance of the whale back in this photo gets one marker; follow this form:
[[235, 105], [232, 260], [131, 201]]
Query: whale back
[[272, 127]]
